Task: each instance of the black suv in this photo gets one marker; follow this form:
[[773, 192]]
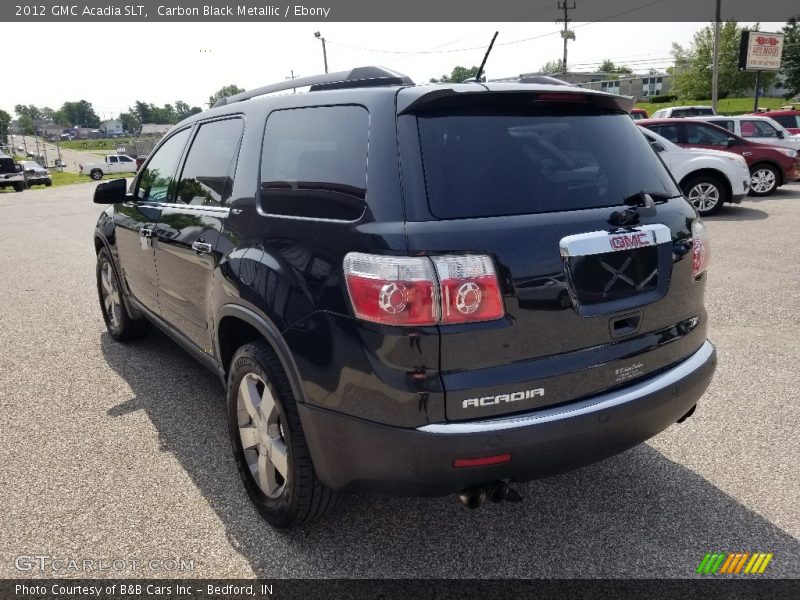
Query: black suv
[[415, 290]]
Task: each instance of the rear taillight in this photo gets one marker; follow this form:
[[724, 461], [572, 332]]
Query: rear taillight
[[423, 291], [701, 254], [469, 289]]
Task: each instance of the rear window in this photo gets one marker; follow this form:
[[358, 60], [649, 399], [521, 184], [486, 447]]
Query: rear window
[[692, 112], [480, 164], [788, 121]]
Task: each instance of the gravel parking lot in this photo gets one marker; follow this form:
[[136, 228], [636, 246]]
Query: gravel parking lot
[[121, 452]]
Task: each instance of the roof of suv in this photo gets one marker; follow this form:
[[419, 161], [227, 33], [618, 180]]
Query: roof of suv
[[372, 83]]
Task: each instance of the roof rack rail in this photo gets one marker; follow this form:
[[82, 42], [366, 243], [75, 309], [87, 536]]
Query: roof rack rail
[[358, 77]]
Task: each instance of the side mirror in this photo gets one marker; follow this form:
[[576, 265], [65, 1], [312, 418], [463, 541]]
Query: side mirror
[[731, 142], [111, 192], [657, 146], [780, 135]]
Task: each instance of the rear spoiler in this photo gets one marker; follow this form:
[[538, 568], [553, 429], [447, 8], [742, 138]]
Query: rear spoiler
[[548, 93]]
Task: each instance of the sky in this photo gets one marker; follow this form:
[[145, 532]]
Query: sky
[[114, 64]]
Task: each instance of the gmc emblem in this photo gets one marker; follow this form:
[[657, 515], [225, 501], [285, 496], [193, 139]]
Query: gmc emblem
[[630, 240]]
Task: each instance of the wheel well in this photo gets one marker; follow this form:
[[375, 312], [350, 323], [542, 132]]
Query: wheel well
[[713, 173], [233, 333], [98, 245], [775, 167]]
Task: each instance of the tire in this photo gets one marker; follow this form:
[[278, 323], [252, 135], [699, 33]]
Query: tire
[[96, 174], [764, 180], [120, 324], [19, 187], [268, 441], [706, 193], [48, 183]]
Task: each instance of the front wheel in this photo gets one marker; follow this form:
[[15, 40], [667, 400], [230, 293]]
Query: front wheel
[[706, 193], [763, 180], [268, 441], [19, 187], [120, 324], [96, 174]]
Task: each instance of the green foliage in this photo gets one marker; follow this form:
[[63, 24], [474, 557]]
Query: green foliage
[[663, 98], [609, 67], [693, 72], [458, 75], [5, 120], [80, 114], [790, 63], [130, 122], [552, 66], [223, 92]]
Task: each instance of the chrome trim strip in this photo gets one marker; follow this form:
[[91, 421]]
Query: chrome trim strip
[[596, 403], [599, 242]]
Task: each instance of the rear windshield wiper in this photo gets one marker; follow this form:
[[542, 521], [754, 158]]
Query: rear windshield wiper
[[642, 204]]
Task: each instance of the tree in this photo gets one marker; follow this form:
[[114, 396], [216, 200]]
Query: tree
[[458, 75], [80, 114], [183, 111], [609, 67], [5, 122], [692, 75], [552, 66], [224, 92], [790, 63], [130, 122]]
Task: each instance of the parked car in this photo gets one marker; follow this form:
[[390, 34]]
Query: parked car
[[364, 318], [36, 174], [113, 163], [683, 111], [770, 166], [758, 129], [788, 118], [638, 113], [708, 178], [11, 174]]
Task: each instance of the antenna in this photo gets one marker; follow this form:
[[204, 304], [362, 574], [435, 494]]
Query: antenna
[[485, 56]]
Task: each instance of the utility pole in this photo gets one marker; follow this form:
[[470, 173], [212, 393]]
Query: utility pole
[[715, 71], [566, 34], [294, 90]]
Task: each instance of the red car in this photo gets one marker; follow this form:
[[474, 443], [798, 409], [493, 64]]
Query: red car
[[637, 114], [770, 166], [789, 118]]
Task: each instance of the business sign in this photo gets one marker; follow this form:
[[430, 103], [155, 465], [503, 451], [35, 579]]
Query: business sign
[[760, 51]]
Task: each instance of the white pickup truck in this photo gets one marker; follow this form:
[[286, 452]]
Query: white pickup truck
[[114, 163]]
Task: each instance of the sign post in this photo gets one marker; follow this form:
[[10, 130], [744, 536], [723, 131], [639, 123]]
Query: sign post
[[760, 51]]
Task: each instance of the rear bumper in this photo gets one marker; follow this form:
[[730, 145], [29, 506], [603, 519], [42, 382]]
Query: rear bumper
[[351, 454]]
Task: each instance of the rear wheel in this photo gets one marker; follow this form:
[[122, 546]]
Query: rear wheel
[[96, 174], [19, 187], [764, 180], [706, 193], [48, 183], [268, 441], [120, 324]]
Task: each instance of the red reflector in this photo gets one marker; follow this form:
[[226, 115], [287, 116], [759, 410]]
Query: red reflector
[[561, 97], [461, 463]]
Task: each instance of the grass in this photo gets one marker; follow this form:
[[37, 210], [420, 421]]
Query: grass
[[726, 106], [95, 144]]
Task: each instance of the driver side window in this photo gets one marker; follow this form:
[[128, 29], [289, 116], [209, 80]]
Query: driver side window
[[158, 181]]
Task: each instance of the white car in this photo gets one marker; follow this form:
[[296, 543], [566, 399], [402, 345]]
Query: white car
[[708, 178], [757, 129]]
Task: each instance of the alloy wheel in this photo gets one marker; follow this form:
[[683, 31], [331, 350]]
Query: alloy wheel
[[111, 299], [704, 196], [762, 181], [262, 435]]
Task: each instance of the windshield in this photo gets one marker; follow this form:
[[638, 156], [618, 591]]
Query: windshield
[[7, 165], [492, 164]]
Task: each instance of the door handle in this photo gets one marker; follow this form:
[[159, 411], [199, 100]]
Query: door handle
[[201, 247], [746, 153], [146, 232]]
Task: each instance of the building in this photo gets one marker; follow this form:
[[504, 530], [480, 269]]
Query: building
[[111, 127], [154, 129], [640, 86]]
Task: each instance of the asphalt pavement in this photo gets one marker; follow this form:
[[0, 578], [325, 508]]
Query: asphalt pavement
[[120, 452]]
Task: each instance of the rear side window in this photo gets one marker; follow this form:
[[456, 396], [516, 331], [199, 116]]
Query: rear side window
[[490, 164], [207, 177], [314, 162], [706, 135], [726, 124], [692, 112], [671, 132], [788, 121], [156, 181]]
